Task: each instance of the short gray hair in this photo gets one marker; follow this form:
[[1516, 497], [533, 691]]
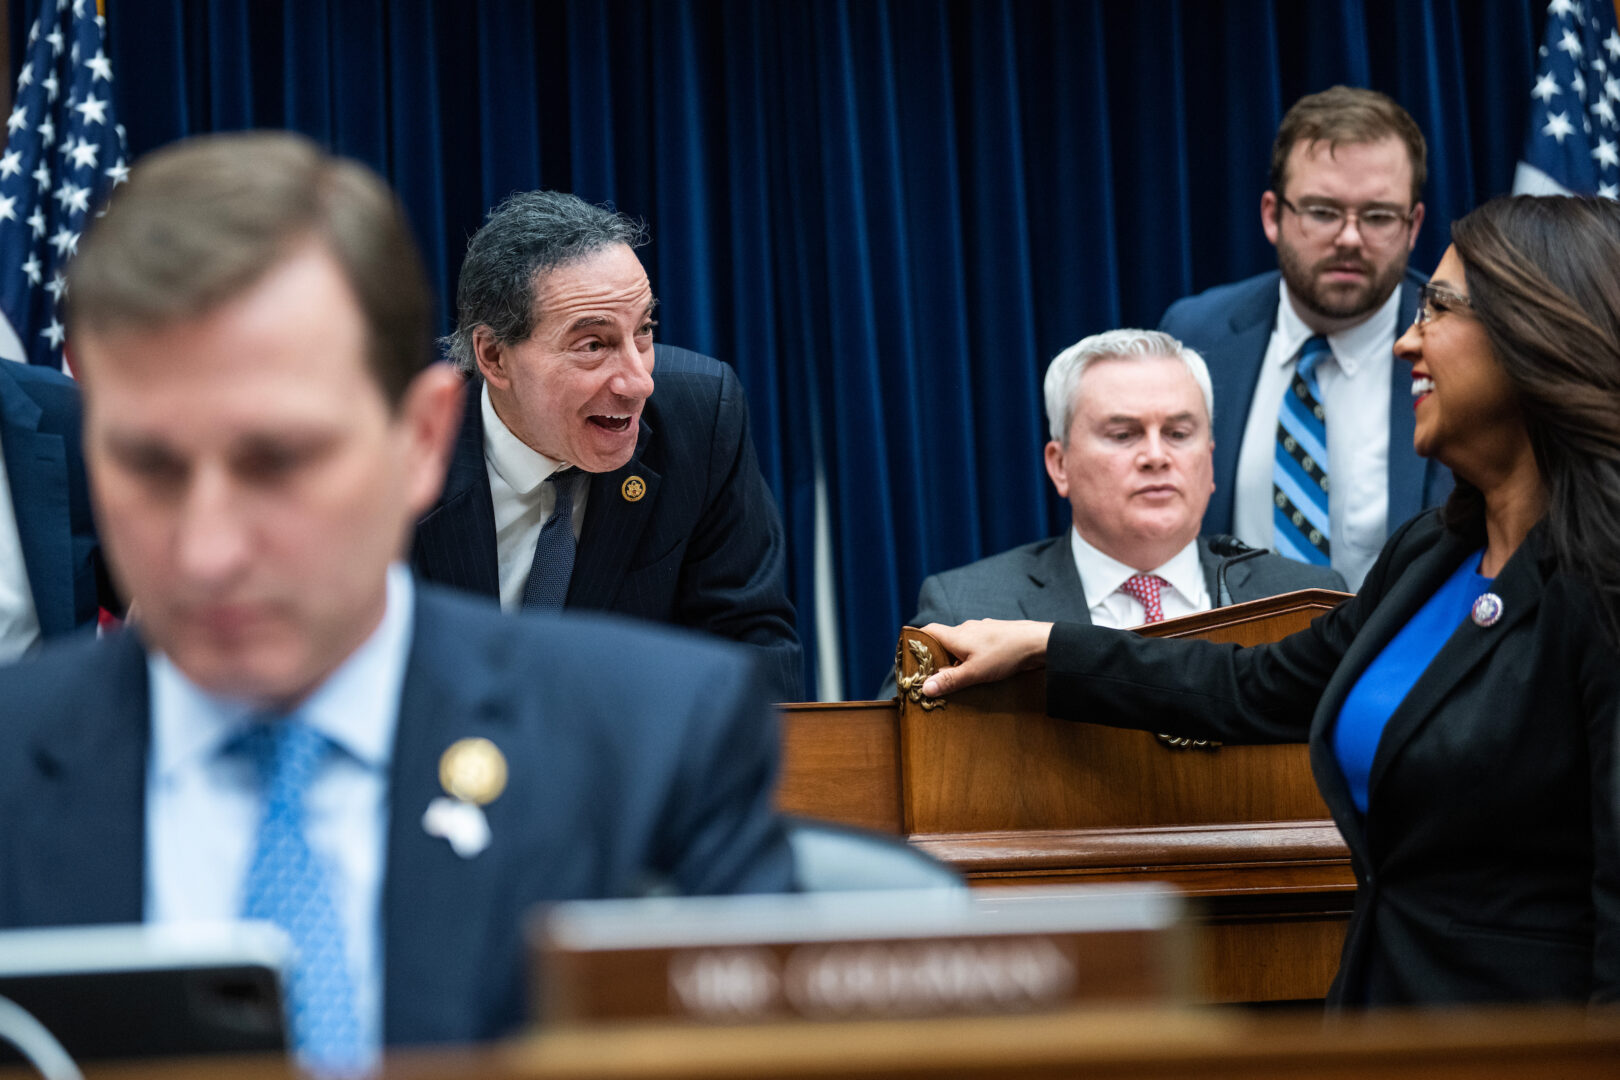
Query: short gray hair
[[528, 235], [1063, 374]]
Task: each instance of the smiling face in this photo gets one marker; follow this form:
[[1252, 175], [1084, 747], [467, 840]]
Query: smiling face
[[252, 482], [574, 389], [1339, 280], [1467, 411], [1138, 469]]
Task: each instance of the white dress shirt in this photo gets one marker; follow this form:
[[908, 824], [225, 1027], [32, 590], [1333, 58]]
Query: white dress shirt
[[1355, 388], [203, 806], [1102, 575], [19, 622], [523, 500]]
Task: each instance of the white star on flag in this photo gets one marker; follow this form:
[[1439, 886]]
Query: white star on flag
[[1611, 87], [8, 208], [26, 79], [1612, 43], [1578, 84], [84, 155], [1606, 153], [100, 66], [18, 120], [118, 172], [52, 87], [58, 284], [55, 38], [1605, 110], [1558, 126], [1609, 191], [47, 131], [54, 333], [1570, 43], [1563, 7], [36, 221], [93, 109], [43, 176], [32, 268], [1546, 87], [10, 163], [64, 240]]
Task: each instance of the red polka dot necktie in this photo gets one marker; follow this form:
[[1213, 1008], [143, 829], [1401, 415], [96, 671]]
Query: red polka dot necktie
[[1145, 590]]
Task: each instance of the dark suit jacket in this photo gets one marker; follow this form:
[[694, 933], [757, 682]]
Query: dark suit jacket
[[1039, 581], [1488, 866], [636, 756], [1230, 326], [703, 548], [39, 434]]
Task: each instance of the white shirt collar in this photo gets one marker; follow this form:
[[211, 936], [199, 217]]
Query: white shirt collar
[[522, 467], [357, 707], [1352, 346], [1101, 575]]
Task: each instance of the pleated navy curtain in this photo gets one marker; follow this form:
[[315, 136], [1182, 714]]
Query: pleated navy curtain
[[887, 214]]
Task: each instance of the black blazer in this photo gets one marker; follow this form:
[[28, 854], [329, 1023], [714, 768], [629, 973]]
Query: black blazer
[[1487, 865]]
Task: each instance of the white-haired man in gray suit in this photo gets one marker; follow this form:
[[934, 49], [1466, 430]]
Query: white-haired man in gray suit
[[1130, 414]]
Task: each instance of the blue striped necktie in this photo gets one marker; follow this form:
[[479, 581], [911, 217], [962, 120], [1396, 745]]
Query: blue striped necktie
[[553, 565], [289, 885], [1299, 484]]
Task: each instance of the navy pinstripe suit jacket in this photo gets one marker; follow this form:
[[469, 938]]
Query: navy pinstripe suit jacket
[[703, 548]]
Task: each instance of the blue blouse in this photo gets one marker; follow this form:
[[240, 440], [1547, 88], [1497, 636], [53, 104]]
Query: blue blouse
[[1392, 674]]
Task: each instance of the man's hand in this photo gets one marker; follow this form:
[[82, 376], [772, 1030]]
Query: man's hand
[[990, 649]]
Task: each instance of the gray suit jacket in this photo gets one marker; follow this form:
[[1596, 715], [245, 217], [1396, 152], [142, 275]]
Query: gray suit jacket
[[1038, 581]]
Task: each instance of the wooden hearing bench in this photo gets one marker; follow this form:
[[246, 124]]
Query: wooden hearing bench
[[1518, 1044], [990, 784]]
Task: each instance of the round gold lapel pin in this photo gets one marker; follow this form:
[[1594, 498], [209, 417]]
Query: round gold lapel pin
[[473, 770], [633, 488]]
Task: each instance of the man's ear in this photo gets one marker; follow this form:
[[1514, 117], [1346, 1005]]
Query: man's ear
[[1269, 221], [431, 414], [1417, 223], [1054, 468], [491, 359]]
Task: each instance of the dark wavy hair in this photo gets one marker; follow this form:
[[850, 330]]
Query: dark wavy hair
[[1543, 277]]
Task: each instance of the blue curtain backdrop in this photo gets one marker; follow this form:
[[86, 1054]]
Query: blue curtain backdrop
[[887, 215]]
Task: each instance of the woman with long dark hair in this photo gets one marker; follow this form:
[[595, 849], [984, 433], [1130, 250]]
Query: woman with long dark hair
[[1460, 709]]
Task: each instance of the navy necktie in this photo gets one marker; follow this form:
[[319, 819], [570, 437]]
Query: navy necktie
[[1299, 478], [547, 584], [289, 885]]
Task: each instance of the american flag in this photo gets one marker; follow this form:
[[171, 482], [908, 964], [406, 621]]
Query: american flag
[[1573, 144], [64, 153]]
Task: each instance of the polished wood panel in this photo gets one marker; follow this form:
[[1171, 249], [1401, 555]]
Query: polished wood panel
[[1497, 1044], [841, 762]]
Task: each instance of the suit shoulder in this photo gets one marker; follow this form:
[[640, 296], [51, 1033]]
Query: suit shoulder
[[1291, 575], [63, 681], [1216, 301], [1014, 562], [56, 394], [470, 634], [672, 360]]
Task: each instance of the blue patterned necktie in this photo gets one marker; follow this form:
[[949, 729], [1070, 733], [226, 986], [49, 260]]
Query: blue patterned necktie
[[547, 584], [289, 885], [1299, 476]]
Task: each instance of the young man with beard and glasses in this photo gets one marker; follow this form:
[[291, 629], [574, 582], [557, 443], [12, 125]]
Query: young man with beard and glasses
[[1313, 436]]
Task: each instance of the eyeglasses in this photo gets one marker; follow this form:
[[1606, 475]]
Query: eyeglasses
[[1378, 225], [1433, 301]]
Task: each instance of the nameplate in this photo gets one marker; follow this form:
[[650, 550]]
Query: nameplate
[[842, 956]]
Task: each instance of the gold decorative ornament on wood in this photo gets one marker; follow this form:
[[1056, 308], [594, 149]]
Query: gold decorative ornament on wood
[[911, 685]]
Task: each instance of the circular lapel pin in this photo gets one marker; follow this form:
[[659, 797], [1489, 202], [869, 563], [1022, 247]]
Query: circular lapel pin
[[633, 488], [1487, 609], [473, 770]]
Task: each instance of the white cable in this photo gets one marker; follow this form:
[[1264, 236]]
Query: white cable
[[35, 1042]]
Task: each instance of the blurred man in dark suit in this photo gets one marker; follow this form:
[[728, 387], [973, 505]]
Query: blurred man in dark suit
[[574, 483], [1129, 412], [1343, 211], [52, 578], [296, 731]]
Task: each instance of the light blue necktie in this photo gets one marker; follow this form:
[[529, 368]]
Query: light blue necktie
[[1299, 484], [289, 885], [553, 565]]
